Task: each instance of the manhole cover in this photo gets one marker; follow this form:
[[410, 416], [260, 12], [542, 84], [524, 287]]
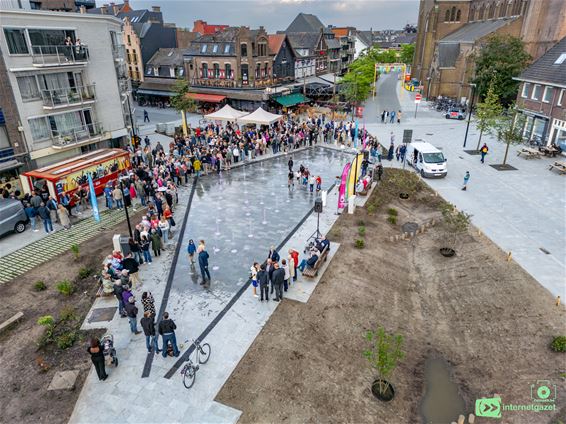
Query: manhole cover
[[102, 314], [409, 227]]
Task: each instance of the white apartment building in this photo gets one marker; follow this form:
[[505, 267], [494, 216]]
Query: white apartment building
[[69, 83]]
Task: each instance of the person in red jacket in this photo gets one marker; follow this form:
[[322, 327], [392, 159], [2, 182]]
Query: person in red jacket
[[295, 256]]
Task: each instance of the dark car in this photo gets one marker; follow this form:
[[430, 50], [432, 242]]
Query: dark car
[[455, 114]]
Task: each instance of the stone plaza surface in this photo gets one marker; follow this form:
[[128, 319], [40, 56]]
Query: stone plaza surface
[[523, 211], [125, 396]]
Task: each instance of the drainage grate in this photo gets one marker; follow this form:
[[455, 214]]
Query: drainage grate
[[543, 250]]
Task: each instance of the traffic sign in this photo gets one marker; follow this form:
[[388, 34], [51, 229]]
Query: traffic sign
[[407, 136], [418, 98]]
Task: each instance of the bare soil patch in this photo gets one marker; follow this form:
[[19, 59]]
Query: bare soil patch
[[26, 369], [489, 319]]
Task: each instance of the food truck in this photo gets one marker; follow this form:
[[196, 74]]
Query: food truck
[[104, 165]]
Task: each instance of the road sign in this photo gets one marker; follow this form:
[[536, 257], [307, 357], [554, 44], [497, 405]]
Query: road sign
[[407, 136], [418, 98]]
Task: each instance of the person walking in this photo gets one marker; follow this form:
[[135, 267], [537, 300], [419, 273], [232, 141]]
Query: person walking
[[191, 249], [148, 326], [32, 216], [132, 312], [483, 151], [466, 179], [277, 279], [263, 280], [167, 329], [383, 117], [97, 358], [144, 245], [253, 276], [145, 116], [290, 163], [391, 151], [398, 116], [118, 292], [392, 117], [203, 264]]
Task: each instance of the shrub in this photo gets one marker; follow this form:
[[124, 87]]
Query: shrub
[[558, 344], [66, 340], [39, 286], [362, 231], [384, 354], [361, 223], [359, 243], [65, 287], [392, 212], [48, 322], [371, 209], [84, 273], [67, 313], [392, 219], [75, 250]]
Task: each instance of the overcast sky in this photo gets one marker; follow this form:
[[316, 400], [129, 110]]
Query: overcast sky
[[277, 14]]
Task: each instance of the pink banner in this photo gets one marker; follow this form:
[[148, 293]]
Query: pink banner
[[342, 190]]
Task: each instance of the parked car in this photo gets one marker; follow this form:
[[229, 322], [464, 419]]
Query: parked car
[[455, 114], [12, 216]]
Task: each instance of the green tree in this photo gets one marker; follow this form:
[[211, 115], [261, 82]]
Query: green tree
[[509, 129], [499, 60], [487, 112], [181, 101], [384, 354], [407, 53]]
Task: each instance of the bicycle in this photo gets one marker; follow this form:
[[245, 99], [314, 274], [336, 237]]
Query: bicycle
[[190, 369]]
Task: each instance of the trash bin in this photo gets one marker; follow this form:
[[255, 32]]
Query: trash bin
[[124, 246]]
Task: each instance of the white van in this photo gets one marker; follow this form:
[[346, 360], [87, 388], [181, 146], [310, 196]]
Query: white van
[[426, 159]]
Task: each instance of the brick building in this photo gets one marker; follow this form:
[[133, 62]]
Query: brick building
[[542, 97], [449, 31]]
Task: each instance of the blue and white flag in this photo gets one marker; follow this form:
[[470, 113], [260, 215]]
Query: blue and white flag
[[93, 200], [356, 135]]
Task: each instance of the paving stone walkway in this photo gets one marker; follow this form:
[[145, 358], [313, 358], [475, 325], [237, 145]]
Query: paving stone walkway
[[45, 249]]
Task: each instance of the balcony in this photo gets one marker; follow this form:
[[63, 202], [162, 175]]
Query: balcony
[[59, 55], [64, 97], [86, 134], [119, 52]]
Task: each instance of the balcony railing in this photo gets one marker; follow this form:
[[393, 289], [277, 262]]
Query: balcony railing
[[119, 51], [59, 55], [62, 97], [76, 136]]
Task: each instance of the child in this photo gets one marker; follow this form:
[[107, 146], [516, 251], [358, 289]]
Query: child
[[191, 249], [253, 277]]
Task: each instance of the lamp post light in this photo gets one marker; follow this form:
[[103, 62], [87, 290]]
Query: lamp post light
[[470, 112], [428, 79]]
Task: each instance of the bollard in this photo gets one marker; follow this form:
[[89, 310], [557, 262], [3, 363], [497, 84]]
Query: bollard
[[391, 238], [557, 300], [461, 419], [397, 237], [509, 257], [471, 418], [432, 222]]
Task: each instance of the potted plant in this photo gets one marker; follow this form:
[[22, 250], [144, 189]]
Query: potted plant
[[383, 355], [456, 224]]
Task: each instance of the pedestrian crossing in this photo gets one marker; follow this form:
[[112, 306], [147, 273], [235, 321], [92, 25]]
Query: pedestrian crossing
[[34, 254]]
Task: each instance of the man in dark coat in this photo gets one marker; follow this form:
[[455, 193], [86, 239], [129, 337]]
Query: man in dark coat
[[278, 278], [263, 280], [203, 264], [273, 255], [148, 325], [132, 311]]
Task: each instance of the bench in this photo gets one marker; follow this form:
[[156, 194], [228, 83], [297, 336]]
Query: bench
[[12, 320], [529, 153], [313, 272], [559, 166]]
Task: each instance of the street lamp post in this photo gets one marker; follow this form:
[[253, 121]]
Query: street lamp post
[[133, 135], [126, 210], [428, 79], [470, 112]]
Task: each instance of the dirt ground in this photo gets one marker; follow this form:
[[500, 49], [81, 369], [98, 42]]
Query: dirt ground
[[23, 393], [489, 319]]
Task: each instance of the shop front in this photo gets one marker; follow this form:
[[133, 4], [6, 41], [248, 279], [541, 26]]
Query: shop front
[[558, 134]]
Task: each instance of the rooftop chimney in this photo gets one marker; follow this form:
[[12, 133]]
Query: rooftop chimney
[[82, 9], [156, 8], [104, 10]]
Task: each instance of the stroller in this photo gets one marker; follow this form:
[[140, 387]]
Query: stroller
[[107, 343]]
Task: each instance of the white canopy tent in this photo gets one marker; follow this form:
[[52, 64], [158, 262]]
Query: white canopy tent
[[260, 116], [227, 113]]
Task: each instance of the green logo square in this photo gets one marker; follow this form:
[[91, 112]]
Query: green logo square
[[488, 407]]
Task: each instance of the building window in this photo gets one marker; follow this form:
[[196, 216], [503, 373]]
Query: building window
[[129, 40], [39, 129], [244, 72], [262, 49], [526, 88], [561, 97], [16, 40], [453, 14], [458, 15], [228, 71], [536, 92], [216, 69], [205, 70], [266, 70], [257, 71], [215, 48], [203, 48], [491, 13], [243, 49], [547, 96], [28, 88], [560, 59], [179, 71]]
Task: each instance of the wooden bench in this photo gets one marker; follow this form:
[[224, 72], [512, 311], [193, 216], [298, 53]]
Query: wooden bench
[[11, 321], [559, 166], [529, 153], [549, 151], [313, 272]]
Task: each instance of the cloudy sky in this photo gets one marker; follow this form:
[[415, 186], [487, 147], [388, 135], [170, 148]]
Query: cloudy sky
[[278, 14]]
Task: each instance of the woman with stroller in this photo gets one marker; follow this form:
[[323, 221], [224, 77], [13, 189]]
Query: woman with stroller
[[97, 357]]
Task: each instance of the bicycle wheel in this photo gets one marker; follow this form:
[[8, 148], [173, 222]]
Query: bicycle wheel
[[189, 376], [204, 351]]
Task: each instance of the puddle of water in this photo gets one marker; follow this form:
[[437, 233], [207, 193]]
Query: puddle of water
[[442, 404]]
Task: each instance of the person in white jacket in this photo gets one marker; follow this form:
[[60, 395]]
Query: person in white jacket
[[286, 281]]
